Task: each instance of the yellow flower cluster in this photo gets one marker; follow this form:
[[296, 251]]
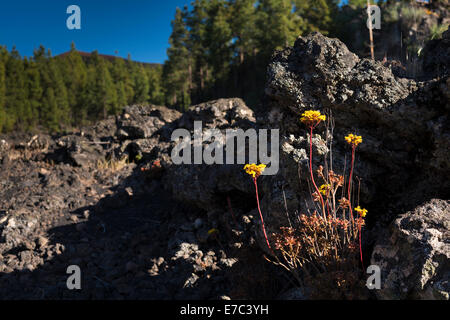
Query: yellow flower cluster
[[362, 212], [254, 170], [212, 231], [429, 12], [353, 139], [324, 189], [312, 117]]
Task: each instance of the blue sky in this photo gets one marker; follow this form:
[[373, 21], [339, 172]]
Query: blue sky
[[139, 27]]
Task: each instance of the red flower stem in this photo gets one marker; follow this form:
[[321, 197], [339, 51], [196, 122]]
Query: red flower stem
[[360, 248], [328, 206], [350, 184], [350, 204], [260, 214], [310, 171]]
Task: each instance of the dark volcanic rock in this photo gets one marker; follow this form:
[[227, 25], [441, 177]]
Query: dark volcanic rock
[[80, 150], [220, 114], [414, 255], [206, 185], [138, 122]]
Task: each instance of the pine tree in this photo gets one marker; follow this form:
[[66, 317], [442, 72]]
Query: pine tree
[[3, 120], [156, 93], [141, 85], [219, 41], [129, 80], [278, 25], [317, 15], [176, 69], [75, 79], [60, 91], [17, 105], [50, 112], [243, 17], [120, 76], [35, 91], [357, 3], [102, 95], [41, 59], [197, 47], [55, 110]]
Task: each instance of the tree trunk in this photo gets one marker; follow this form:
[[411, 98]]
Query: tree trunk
[[174, 98], [202, 83], [370, 31], [190, 77]]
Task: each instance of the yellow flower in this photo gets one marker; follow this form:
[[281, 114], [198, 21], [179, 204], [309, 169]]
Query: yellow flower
[[254, 170], [312, 117], [353, 139], [213, 230], [362, 212], [324, 189]]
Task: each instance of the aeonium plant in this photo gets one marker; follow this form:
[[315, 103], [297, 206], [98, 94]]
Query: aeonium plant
[[325, 240]]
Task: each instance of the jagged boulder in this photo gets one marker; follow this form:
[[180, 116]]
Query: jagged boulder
[[202, 184], [140, 122], [140, 129], [220, 114], [414, 255], [79, 150]]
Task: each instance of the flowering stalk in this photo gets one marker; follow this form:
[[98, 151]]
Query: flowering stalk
[[362, 213], [255, 171], [350, 183], [312, 118], [354, 140], [260, 214], [311, 171], [360, 247]]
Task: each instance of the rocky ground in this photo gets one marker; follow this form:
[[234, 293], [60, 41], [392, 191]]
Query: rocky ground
[[109, 199], [95, 199]]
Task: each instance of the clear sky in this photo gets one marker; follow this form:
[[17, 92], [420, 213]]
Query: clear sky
[[139, 27]]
